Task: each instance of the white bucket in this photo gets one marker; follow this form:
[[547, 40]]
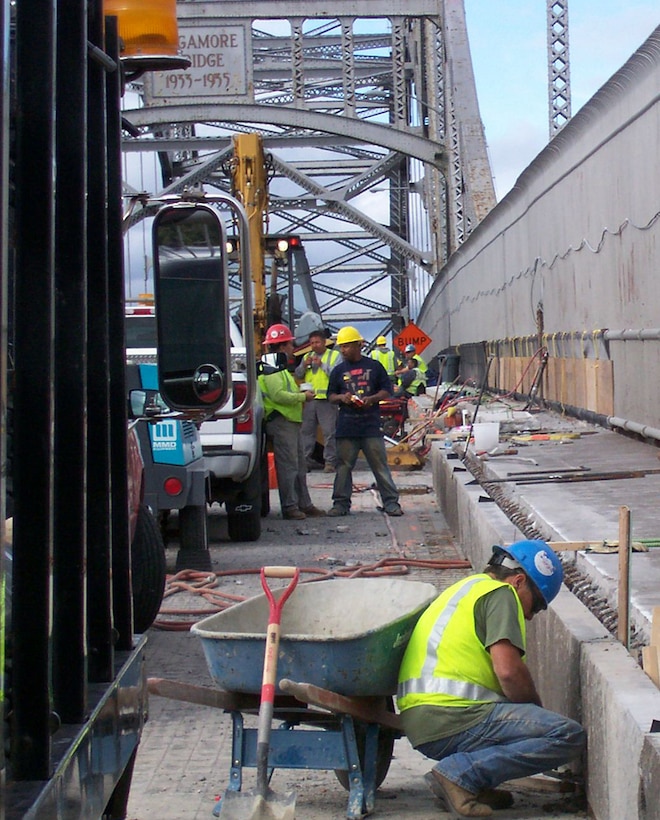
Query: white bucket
[[486, 436]]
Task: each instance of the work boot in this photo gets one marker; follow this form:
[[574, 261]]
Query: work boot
[[395, 510], [293, 514], [461, 802], [336, 511], [495, 798], [313, 512]]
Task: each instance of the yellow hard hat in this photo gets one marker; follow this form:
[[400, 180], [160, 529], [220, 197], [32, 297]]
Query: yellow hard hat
[[381, 340], [348, 334]]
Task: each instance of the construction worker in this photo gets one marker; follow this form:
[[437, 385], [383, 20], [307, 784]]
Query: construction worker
[[381, 353], [465, 694], [314, 369], [411, 374], [283, 403], [357, 384]]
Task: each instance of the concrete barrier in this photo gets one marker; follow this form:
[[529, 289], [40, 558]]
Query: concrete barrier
[[580, 670]]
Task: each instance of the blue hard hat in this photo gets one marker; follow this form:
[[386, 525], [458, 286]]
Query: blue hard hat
[[539, 563]]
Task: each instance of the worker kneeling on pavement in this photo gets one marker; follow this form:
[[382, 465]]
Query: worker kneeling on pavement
[[283, 403], [357, 385], [466, 696], [412, 374]]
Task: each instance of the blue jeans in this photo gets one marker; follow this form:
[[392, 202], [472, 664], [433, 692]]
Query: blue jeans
[[515, 740], [373, 448]]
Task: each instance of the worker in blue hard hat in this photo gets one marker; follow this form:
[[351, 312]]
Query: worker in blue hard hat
[[466, 696]]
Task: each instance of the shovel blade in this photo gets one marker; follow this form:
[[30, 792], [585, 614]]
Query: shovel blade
[[250, 805]]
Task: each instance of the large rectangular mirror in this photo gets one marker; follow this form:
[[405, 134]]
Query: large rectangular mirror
[[190, 278]]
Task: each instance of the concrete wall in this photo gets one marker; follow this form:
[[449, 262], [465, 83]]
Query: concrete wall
[[579, 669], [578, 237]]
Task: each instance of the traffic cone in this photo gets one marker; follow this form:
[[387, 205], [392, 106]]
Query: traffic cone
[[272, 474]]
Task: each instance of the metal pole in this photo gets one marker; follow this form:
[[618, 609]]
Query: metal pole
[[122, 598], [33, 396], [70, 429], [99, 559]]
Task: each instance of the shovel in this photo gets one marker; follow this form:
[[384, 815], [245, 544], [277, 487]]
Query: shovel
[[262, 803]]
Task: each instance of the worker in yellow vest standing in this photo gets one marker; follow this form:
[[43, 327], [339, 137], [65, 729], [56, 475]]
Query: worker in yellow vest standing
[[382, 354], [283, 404], [466, 696], [314, 369]]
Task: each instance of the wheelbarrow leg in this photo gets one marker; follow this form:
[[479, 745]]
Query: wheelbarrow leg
[[369, 768], [237, 752], [361, 778], [237, 756]]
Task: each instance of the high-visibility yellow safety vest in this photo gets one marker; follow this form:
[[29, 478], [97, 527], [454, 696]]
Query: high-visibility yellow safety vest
[[420, 375], [320, 377], [281, 393], [445, 663], [386, 358]]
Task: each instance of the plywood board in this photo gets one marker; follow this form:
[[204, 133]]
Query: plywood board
[[655, 627], [651, 663]]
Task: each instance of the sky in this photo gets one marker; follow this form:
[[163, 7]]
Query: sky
[[508, 48]]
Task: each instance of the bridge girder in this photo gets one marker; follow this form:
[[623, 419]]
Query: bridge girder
[[326, 81]]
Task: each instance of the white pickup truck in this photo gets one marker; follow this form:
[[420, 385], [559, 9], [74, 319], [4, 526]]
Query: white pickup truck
[[235, 454]]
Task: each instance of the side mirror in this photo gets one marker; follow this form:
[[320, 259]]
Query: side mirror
[[144, 403], [192, 311]]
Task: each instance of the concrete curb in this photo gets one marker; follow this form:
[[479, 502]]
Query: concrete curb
[[579, 669]]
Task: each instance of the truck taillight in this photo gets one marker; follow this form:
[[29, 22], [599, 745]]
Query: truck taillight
[[173, 486], [242, 423]]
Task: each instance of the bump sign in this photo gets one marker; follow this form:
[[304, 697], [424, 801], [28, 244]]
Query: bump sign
[[412, 335]]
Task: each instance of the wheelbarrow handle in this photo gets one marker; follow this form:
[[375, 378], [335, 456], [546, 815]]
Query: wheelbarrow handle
[[280, 572]]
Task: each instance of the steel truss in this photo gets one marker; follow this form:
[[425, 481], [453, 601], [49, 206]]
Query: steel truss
[[375, 163], [559, 74]]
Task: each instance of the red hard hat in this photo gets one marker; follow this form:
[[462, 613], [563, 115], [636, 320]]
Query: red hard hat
[[278, 333]]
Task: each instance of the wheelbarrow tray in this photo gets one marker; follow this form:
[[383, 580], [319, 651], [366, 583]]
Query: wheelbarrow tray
[[348, 636]]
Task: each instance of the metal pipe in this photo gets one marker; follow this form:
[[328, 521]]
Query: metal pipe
[[634, 427], [630, 335]]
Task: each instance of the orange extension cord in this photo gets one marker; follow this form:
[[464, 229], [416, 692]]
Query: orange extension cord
[[205, 584]]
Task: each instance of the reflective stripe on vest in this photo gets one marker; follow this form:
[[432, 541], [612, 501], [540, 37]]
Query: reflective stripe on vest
[[448, 686]]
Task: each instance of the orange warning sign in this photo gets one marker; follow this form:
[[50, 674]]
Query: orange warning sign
[[411, 335]]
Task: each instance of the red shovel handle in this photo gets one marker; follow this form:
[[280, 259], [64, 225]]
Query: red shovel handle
[[275, 612], [273, 630]]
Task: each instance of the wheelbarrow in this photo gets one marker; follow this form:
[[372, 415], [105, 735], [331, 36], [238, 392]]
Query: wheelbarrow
[[340, 651]]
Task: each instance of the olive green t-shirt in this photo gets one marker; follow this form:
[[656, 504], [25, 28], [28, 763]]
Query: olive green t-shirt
[[496, 619]]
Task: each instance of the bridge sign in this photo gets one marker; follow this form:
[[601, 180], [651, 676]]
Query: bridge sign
[[219, 65], [411, 335]]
